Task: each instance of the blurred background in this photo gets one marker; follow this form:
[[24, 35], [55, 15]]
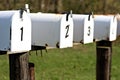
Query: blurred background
[[59, 6]]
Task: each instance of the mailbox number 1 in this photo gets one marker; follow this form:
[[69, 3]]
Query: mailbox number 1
[[67, 28], [21, 33]]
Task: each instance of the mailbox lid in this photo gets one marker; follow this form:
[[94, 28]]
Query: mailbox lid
[[20, 32], [105, 28], [83, 28], [5, 26]]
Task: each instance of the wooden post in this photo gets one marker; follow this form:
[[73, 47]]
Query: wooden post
[[104, 57], [32, 71], [19, 69]]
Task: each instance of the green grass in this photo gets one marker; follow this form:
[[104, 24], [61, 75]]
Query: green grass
[[4, 67], [77, 63], [66, 64], [116, 62]]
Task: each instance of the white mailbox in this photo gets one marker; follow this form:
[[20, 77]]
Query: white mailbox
[[105, 28], [15, 31], [83, 28], [52, 30]]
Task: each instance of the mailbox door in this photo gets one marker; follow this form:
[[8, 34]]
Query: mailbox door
[[88, 30], [20, 33], [113, 29], [66, 31]]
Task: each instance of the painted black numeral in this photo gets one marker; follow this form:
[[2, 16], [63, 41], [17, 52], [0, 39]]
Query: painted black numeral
[[67, 27], [89, 31], [21, 33]]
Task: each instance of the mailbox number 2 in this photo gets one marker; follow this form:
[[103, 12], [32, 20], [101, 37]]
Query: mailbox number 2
[[21, 33], [67, 30]]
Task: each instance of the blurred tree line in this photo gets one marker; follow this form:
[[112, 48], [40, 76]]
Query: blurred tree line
[[59, 6]]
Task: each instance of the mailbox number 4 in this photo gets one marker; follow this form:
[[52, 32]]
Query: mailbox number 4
[[21, 33]]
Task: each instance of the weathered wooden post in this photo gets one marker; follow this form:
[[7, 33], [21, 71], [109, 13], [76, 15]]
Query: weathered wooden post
[[16, 27], [32, 71], [104, 58], [19, 68], [105, 32]]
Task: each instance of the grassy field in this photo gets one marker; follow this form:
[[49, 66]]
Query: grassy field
[[77, 63]]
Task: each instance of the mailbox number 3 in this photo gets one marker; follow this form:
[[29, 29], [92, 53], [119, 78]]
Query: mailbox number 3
[[89, 31], [21, 33], [67, 30]]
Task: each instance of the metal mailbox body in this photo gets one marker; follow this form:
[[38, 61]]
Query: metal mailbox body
[[15, 31], [105, 28], [118, 25], [83, 28], [52, 30]]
